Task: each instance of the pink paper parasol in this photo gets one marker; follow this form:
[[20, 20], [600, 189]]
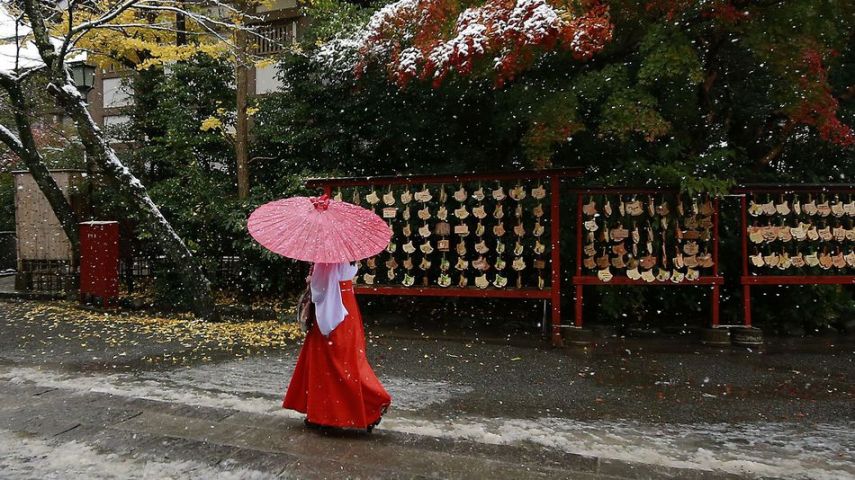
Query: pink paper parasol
[[319, 230]]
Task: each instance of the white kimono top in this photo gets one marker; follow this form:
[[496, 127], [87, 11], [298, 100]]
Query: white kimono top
[[326, 293]]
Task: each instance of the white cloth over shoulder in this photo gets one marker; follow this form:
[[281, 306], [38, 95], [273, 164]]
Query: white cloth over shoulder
[[326, 293]]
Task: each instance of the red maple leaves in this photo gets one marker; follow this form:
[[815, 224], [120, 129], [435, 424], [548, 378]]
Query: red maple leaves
[[819, 106], [429, 39]]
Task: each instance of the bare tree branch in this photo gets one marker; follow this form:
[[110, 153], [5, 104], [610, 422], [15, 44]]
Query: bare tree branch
[[215, 2], [21, 76], [108, 16], [87, 26], [204, 21]]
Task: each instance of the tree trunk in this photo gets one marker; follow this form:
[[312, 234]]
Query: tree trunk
[[242, 124], [197, 287], [34, 161], [180, 27]]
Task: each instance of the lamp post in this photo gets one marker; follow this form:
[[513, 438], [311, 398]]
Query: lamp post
[[83, 76]]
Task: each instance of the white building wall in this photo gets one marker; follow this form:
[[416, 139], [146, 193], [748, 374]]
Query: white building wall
[[116, 94], [265, 79]]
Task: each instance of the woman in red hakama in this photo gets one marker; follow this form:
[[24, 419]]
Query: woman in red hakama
[[333, 384]]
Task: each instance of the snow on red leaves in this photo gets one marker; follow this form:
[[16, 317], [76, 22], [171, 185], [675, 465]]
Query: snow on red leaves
[[429, 39]]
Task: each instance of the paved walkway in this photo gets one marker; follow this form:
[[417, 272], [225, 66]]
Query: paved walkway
[[79, 401], [248, 444]]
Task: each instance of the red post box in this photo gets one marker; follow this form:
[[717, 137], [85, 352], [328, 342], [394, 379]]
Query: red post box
[[99, 262]]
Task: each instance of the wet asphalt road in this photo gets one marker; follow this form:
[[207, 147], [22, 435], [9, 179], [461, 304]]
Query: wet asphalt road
[[480, 393]]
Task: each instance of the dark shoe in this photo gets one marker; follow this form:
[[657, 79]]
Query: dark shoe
[[370, 428]]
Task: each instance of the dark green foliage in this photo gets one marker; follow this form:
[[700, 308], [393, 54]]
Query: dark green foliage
[[687, 100], [7, 202], [692, 101], [190, 175]]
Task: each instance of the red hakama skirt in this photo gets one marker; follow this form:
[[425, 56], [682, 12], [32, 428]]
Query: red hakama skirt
[[333, 384]]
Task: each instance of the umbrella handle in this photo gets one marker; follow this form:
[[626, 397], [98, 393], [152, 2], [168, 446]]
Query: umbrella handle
[[321, 203]]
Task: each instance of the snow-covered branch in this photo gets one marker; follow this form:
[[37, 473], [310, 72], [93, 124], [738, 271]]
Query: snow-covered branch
[[122, 28], [11, 140], [105, 18], [218, 4], [24, 74], [203, 20], [87, 26]]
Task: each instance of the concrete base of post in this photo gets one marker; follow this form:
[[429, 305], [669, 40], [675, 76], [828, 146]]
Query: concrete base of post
[[746, 336], [715, 337], [577, 336]]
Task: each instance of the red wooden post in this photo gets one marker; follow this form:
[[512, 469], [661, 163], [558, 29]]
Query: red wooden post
[[716, 298], [555, 237], [579, 288], [746, 289], [746, 305], [716, 206], [716, 294]]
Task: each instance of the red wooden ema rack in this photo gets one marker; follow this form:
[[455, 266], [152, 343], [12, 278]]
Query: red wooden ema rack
[[580, 280], [552, 293], [747, 280]]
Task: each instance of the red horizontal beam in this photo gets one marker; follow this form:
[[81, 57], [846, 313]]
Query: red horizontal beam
[[453, 292], [590, 280], [798, 280], [441, 178]]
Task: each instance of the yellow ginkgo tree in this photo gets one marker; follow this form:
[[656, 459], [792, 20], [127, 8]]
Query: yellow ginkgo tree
[[164, 35]]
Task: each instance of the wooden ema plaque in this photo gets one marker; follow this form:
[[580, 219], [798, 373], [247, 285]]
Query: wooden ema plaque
[[467, 235], [646, 237], [796, 235]]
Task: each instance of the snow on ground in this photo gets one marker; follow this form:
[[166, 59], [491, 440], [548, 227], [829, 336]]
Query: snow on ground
[[268, 378], [785, 450], [251, 385], [824, 452], [30, 458]]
